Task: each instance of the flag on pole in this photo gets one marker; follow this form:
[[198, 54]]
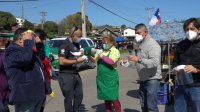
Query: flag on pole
[[155, 19]]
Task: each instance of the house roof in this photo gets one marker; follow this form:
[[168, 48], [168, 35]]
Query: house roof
[[112, 29]]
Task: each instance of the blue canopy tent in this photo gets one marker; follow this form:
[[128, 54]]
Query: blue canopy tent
[[119, 39]]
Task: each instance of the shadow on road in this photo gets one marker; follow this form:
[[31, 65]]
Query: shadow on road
[[99, 107], [130, 110], [133, 93], [83, 109], [136, 82]]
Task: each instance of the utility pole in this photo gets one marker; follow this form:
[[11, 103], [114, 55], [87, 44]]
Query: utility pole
[[148, 9], [22, 5], [42, 14], [83, 18]]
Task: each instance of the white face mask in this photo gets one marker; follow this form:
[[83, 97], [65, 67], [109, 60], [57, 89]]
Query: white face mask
[[191, 35], [138, 38]]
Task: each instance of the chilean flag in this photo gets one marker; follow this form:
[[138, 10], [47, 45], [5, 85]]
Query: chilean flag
[[155, 19]]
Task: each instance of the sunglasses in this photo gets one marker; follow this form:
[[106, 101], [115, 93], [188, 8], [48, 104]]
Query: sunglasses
[[75, 29]]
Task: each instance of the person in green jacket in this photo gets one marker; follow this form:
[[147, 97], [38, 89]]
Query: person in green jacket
[[107, 75]]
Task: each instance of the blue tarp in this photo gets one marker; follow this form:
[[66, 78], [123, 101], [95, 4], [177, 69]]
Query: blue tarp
[[118, 38]]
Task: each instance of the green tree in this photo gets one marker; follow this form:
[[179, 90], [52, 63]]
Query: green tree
[[73, 20], [28, 25], [50, 27], [6, 19]]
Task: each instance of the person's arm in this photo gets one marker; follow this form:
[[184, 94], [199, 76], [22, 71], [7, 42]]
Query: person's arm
[[63, 52], [40, 51], [107, 60], [154, 54], [23, 56], [113, 58], [176, 59]]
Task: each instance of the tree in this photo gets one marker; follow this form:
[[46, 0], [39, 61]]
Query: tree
[[50, 27], [28, 25], [7, 20], [70, 21]]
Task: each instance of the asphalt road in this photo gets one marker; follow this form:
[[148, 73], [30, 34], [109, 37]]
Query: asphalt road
[[129, 96]]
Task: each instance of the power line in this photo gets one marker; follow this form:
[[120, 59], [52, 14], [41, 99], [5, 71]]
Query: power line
[[125, 13], [16, 0], [111, 12]]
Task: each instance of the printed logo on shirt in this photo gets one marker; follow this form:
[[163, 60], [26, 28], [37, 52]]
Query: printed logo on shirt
[[75, 49], [62, 51]]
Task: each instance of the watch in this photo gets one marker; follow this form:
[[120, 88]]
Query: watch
[[139, 60]]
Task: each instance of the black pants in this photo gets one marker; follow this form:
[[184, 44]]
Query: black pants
[[72, 89]]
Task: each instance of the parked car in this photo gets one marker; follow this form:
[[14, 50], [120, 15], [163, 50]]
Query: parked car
[[55, 43]]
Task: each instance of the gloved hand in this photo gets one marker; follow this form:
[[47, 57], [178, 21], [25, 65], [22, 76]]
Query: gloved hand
[[99, 52], [85, 57]]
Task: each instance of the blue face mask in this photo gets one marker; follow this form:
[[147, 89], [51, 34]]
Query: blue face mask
[[105, 46]]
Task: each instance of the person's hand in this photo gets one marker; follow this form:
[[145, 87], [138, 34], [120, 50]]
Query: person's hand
[[82, 51], [80, 59], [123, 61], [99, 52], [190, 69], [133, 58], [28, 35], [174, 71]]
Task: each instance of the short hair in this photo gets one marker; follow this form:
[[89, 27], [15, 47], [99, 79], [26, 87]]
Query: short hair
[[141, 26], [18, 33], [41, 34], [191, 20], [111, 39]]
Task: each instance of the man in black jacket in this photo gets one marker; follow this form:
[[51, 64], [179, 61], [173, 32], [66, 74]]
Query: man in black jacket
[[188, 56], [69, 78], [23, 68]]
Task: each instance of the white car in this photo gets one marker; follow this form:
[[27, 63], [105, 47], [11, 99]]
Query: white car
[[84, 42]]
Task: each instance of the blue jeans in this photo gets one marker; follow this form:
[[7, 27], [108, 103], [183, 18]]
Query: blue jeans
[[4, 106], [32, 106], [148, 95], [183, 95]]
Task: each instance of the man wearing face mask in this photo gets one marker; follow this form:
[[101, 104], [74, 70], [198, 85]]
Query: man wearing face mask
[[148, 58], [188, 54], [69, 78]]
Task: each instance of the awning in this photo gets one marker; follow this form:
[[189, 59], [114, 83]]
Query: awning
[[119, 39], [6, 35]]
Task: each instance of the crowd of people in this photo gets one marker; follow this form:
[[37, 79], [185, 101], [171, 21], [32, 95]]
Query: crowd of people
[[25, 70]]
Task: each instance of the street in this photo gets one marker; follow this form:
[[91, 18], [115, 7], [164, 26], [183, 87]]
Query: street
[[129, 96]]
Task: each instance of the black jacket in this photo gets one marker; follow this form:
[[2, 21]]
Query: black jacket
[[25, 77], [188, 53]]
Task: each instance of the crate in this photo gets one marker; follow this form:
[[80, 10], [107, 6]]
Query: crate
[[162, 94]]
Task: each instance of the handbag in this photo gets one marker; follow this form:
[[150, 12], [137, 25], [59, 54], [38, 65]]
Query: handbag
[[89, 64]]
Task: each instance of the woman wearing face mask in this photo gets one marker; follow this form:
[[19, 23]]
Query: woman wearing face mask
[[188, 54], [107, 75]]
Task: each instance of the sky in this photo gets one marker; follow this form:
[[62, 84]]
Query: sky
[[133, 10]]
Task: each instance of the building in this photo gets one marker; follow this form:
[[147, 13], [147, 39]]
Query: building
[[98, 31]]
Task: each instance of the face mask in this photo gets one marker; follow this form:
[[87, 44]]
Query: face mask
[[191, 35], [138, 38], [105, 46], [77, 40]]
